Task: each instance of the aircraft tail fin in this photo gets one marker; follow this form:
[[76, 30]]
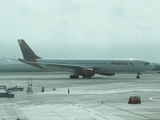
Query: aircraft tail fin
[[27, 52]]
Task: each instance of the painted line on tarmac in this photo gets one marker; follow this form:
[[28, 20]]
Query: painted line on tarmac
[[155, 98]]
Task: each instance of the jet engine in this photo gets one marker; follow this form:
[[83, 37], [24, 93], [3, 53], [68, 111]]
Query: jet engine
[[107, 74], [86, 72]]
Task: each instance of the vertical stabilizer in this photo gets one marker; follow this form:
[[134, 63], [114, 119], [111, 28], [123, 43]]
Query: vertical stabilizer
[[27, 52]]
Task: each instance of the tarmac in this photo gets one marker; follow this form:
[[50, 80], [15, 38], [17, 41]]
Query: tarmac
[[98, 98]]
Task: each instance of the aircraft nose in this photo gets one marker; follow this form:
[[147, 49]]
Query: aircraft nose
[[151, 66]]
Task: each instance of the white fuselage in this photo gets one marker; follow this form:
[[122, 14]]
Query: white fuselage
[[84, 67], [100, 65]]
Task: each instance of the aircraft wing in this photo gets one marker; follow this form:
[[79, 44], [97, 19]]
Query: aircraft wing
[[67, 66]]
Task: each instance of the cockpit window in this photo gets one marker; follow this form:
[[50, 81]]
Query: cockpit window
[[147, 63]]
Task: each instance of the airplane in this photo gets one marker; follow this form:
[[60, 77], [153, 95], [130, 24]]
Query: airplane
[[86, 68]]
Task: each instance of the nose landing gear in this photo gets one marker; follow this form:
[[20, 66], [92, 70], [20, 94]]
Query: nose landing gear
[[138, 75]]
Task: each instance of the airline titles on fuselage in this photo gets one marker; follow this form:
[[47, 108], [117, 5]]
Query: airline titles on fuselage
[[121, 63]]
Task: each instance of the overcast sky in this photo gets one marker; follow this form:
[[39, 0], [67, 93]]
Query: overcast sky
[[82, 28]]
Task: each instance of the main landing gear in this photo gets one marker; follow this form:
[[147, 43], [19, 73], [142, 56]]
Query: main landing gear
[[77, 76], [74, 76], [85, 76]]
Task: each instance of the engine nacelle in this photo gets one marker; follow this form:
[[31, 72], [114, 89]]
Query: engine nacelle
[[86, 72], [107, 74]]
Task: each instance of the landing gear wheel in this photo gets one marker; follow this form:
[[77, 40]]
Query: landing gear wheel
[[74, 76], [138, 76], [84, 76]]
